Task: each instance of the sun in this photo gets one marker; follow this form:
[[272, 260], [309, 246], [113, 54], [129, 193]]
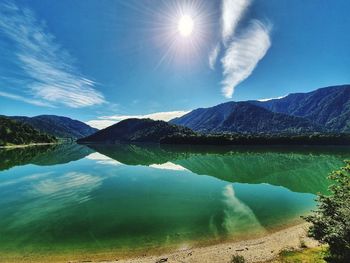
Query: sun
[[185, 25]]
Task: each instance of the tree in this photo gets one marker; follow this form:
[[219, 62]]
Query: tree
[[331, 220]]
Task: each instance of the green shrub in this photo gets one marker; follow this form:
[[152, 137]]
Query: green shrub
[[331, 220], [237, 259]]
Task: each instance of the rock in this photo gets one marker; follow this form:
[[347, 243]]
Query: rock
[[162, 260]]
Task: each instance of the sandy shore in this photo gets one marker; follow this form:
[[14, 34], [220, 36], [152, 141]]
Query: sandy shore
[[255, 250]]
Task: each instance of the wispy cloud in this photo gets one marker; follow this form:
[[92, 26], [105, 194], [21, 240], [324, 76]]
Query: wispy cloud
[[232, 12], [20, 98], [243, 54], [213, 56], [49, 70], [105, 121]]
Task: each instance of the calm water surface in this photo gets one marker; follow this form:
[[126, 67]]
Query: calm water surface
[[74, 198]]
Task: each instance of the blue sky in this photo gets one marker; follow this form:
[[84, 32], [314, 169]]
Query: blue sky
[[102, 61]]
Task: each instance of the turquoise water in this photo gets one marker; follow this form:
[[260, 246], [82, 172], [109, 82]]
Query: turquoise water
[[74, 198]]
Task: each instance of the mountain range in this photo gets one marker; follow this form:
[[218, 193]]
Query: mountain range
[[244, 117], [58, 126], [323, 110], [320, 112], [329, 107]]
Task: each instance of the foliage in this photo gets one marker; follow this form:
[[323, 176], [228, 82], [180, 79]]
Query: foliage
[[237, 259], [15, 133], [258, 139], [331, 221]]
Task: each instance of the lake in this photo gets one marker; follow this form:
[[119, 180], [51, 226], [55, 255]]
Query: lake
[[125, 199]]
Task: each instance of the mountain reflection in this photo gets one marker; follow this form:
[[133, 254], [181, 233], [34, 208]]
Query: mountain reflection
[[42, 155], [300, 169]]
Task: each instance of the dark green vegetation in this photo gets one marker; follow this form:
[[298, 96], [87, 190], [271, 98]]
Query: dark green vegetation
[[263, 139], [237, 259], [137, 130], [14, 133], [58, 126], [323, 110], [331, 221]]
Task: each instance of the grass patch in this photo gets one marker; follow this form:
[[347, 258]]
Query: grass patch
[[308, 255]]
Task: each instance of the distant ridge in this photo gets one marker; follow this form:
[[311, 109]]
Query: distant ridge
[[58, 126], [329, 107], [243, 117], [137, 130], [323, 110]]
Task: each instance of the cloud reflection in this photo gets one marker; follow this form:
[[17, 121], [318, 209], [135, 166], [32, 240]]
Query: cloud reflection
[[238, 216]]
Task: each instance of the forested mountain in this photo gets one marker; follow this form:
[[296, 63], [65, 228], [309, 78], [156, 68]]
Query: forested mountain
[[58, 126], [137, 130], [14, 133], [329, 107], [323, 110], [243, 117]]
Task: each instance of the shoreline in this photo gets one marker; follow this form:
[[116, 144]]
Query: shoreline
[[27, 145], [257, 249], [262, 249]]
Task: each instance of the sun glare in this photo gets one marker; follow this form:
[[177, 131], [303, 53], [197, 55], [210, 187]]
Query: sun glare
[[185, 26], [181, 29]]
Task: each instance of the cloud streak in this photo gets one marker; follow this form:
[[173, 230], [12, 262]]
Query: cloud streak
[[241, 51], [232, 12], [20, 98], [105, 121], [213, 56], [243, 55], [49, 70]]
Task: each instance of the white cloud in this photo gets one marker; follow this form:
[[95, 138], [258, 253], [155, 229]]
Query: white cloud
[[105, 121], [232, 12], [243, 51], [213, 56], [100, 124], [243, 54], [49, 70]]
